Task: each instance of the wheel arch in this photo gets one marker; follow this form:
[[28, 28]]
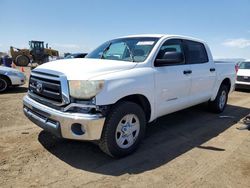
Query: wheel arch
[[226, 82], [7, 78], [142, 101]]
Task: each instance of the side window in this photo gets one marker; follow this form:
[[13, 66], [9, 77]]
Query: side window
[[195, 52], [172, 45]]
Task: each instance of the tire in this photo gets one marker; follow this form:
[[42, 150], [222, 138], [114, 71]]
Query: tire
[[123, 130], [22, 61], [4, 84], [220, 102]]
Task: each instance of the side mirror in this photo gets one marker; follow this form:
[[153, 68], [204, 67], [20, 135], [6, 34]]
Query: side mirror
[[170, 58]]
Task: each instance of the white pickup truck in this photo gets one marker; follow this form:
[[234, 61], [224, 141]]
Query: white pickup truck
[[112, 94]]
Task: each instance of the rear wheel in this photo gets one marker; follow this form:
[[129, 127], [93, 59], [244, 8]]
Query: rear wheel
[[220, 102], [123, 130], [3, 84]]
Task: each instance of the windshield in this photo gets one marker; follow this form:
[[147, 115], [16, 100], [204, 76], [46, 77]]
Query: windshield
[[244, 65], [134, 49]]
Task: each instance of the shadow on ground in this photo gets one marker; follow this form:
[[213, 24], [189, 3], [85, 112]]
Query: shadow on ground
[[166, 139], [16, 90]]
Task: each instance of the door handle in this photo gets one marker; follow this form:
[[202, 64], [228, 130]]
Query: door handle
[[187, 72], [212, 69]]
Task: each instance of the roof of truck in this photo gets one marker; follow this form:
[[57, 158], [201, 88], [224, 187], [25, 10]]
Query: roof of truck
[[164, 35], [146, 35]]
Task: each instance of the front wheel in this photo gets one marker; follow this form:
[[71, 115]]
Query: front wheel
[[123, 130], [220, 102], [22, 61]]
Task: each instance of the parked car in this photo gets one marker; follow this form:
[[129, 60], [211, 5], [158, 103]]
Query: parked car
[[109, 96], [75, 55], [243, 75], [10, 77]]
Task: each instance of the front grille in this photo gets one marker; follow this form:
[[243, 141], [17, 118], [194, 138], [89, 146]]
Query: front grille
[[45, 88], [243, 78]]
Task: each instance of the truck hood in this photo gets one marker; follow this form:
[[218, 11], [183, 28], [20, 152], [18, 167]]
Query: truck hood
[[85, 69]]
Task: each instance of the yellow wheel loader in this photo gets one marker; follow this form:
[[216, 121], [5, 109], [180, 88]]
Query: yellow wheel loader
[[36, 54]]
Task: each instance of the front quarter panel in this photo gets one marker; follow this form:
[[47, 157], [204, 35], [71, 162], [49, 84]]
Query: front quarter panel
[[121, 84]]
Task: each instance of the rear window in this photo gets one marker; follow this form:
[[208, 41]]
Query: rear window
[[195, 52], [244, 65]]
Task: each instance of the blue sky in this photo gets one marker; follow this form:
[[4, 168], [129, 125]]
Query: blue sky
[[81, 25]]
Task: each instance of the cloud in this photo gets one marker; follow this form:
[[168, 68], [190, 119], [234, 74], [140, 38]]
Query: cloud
[[238, 43]]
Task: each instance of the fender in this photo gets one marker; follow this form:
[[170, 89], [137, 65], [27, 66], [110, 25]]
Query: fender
[[131, 82], [218, 84]]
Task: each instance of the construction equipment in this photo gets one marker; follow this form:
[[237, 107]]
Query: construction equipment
[[21, 57], [36, 54]]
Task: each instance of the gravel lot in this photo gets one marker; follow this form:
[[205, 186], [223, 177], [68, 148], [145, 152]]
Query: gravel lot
[[191, 148]]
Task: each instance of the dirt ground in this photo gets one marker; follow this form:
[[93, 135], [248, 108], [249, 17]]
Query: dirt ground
[[191, 148]]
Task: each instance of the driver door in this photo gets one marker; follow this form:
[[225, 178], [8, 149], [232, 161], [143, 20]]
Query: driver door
[[172, 81]]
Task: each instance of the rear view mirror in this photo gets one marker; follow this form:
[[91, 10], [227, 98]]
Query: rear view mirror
[[170, 58]]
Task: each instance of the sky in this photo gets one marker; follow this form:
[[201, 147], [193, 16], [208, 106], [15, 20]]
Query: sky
[[82, 25]]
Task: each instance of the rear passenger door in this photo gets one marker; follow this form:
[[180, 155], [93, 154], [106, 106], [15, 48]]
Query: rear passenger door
[[203, 71]]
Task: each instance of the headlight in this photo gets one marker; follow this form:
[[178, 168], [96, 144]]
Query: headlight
[[84, 89]]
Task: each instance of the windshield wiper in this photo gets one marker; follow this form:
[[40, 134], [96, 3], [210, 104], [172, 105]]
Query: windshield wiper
[[105, 50], [130, 52]]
